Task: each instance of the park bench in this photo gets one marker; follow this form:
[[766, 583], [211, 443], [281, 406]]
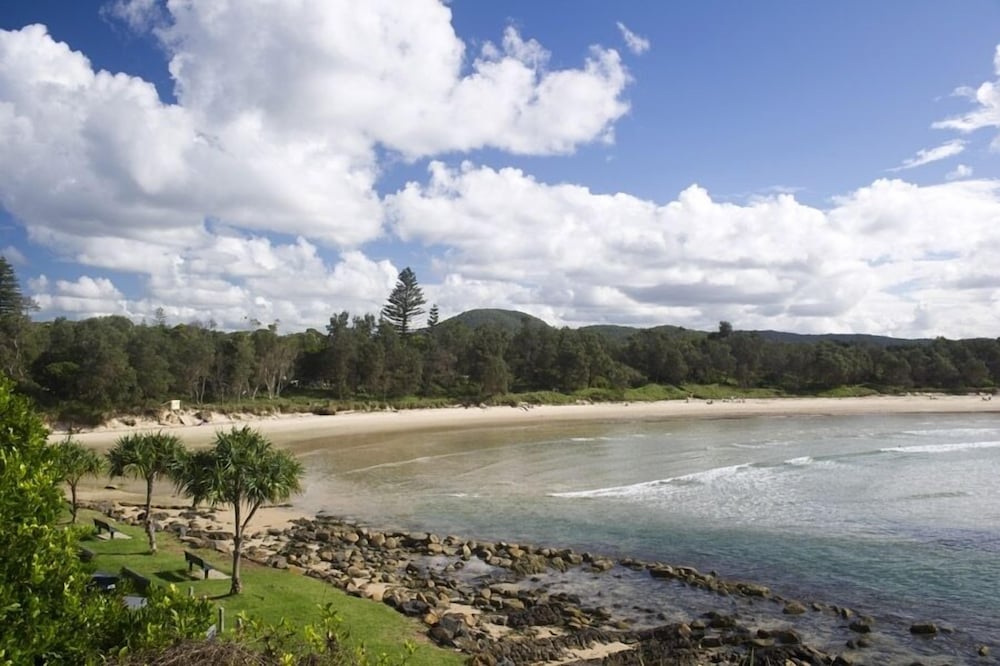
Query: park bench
[[103, 526], [140, 582], [195, 561]]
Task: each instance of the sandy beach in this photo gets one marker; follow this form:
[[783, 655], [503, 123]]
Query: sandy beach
[[290, 430]]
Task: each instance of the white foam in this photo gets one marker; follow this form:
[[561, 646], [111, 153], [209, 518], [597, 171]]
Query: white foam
[[637, 490], [801, 462], [942, 448]]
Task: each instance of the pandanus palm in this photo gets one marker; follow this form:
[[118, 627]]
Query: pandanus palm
[[147, 456], [245, 471], [75, 462]]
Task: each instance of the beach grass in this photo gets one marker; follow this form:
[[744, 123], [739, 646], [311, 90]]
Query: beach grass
[[269, 595]]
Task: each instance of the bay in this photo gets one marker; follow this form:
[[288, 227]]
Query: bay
[[897, 516]]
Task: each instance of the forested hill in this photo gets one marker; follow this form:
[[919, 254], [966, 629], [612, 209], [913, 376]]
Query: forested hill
[[512, 320], [86, 370]]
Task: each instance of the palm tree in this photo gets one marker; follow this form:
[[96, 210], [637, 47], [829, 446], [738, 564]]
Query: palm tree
[[147, 456], [75, 462], [243, 470]]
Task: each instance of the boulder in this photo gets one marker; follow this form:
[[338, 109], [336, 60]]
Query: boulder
[[794, 608], [923, 629]]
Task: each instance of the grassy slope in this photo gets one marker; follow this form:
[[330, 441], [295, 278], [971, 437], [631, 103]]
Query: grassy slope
[[269, 594]]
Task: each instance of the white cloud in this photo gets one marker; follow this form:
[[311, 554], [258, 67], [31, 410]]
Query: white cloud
[[281, 111], [987, 100], [928, 155], [13, 255], [636, 44], [959, 172], [86, 296], [138, 15], [573, 256]]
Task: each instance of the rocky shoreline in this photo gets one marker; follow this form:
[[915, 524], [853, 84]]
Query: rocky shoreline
[[509, 604]]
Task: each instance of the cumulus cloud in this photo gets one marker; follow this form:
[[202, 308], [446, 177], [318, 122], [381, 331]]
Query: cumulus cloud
[[636, 44], [86, 295], [281, 113], [987, 101], [13, 255], [574, 256], [928, 155], [959, 172]]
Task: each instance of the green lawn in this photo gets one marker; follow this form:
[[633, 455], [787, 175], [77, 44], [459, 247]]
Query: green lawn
[[268, 594]]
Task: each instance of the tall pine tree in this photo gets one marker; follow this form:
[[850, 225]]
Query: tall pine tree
[[405, 302], [14, 308]]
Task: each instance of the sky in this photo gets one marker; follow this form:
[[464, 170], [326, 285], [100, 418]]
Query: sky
[[808, 167]]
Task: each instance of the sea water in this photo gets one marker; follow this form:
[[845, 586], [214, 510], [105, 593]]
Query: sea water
[[897, 516]]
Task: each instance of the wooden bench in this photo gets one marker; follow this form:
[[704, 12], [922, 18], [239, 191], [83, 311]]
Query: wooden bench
[[195, 561], [103, 526], [140, 582]]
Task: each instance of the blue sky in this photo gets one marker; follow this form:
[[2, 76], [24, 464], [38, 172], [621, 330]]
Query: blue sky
[[812, 167]]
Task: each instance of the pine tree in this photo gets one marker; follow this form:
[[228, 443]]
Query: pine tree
[[432, 316], [12, 301], [14, 309], [405, 302]]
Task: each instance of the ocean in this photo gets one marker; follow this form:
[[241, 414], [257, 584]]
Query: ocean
[[894, 516]]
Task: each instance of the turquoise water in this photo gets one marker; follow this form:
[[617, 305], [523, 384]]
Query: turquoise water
[[897, 516]]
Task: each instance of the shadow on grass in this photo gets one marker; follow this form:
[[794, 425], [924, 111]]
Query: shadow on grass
[[175, 576]]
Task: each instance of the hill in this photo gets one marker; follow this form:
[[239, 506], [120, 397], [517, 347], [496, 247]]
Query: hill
[[508, 320], [511, 321], [846, 338]]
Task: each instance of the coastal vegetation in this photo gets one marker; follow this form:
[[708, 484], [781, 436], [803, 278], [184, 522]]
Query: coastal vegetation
[[83, 372], [50, 612]]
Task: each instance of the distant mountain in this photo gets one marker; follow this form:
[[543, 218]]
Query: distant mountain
[[508, 320], [848, 338], [612, 332]]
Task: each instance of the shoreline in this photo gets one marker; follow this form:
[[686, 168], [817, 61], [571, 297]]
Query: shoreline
[[287, 430], [303, 433], [542, 605]]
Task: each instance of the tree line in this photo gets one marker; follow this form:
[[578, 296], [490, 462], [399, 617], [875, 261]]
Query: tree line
[[111, 364]]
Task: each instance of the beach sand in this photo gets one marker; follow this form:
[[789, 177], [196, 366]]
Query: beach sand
[[303, 433]]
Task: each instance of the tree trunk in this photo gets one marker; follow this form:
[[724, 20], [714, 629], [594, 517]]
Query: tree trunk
[[72, 492], [237, 585], [150, 532]]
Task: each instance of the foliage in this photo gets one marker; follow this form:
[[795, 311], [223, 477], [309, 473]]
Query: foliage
[[405, 302], [84, 371], [47, 612], [272, 595], [15, 333], [243, 470], [75, 462], [147, 456]]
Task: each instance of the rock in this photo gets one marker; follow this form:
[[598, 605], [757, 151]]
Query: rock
[[861, 626], [984, 651], [786, 637], [711, 642], [278, 562], [794, 608], [923, 629]]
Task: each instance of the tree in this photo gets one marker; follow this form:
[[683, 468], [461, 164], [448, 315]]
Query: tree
[[14, 322], [47, 614], [148, 456], [405, 302], [243, 470], [75, 462], [433, 316]]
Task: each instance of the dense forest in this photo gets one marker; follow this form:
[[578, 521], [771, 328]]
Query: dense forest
[[88, 369]]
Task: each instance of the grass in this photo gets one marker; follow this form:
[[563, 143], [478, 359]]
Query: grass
[[268, 594]]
